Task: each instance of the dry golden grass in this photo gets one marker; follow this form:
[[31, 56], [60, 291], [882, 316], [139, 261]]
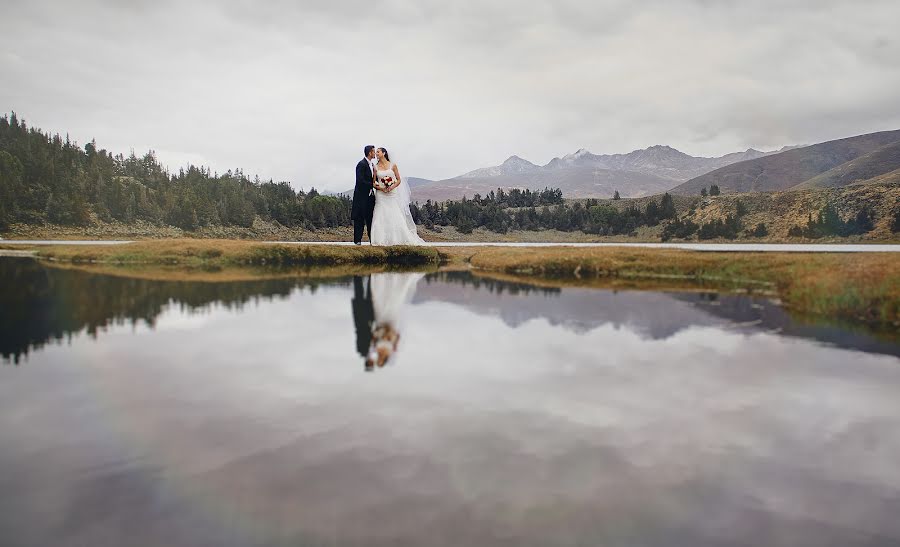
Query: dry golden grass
[[229, 253], [859, 286]]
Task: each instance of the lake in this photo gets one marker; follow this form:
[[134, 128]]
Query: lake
[[434, 408], [711, 247]]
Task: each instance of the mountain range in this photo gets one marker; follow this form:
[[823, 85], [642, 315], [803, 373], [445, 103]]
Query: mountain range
[[828, 164], [873, 157], [582, 174]]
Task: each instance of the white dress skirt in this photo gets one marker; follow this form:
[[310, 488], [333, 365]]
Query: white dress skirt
[[392, 223]]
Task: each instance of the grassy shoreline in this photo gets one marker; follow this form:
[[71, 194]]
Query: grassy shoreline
[[862, 287], [194, 253], [260, 232]]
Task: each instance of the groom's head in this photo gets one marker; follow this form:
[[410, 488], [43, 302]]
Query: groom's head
[[369, 152]]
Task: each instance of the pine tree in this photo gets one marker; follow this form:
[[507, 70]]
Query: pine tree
[[760, 230], [861, 223], [464, 225], [667, 207], [652, 213]]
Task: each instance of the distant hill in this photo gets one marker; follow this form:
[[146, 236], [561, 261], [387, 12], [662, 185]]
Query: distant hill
[[512, 166], [790, 168], [864, 168], [583, 174], [660, 160], [415, 182], [575, 182], [888, 178]]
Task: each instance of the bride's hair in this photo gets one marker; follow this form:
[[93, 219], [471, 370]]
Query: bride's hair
[[384, 343], [385, 152]]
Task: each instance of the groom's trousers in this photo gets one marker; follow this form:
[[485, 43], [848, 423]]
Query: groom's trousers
[[362, 220]]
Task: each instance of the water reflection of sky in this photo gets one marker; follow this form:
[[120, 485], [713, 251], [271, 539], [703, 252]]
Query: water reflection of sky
[[489, 426]]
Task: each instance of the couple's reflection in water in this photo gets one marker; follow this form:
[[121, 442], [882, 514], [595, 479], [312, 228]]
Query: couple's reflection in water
[[378, 302]]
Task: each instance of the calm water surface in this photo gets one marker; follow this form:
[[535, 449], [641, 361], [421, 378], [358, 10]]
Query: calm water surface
[[438, 409], [713, 247]]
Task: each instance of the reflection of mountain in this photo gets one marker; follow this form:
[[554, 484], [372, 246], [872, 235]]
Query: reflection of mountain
[[41, 304], [655, 315]]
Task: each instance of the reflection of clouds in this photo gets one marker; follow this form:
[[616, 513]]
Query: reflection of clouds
[[534, 433], [178, 320]]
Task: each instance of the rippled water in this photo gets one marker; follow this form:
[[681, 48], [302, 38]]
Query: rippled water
[[138, 412]]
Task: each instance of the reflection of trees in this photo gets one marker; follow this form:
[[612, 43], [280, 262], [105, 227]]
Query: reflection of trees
[[491, 285], [40, 304]]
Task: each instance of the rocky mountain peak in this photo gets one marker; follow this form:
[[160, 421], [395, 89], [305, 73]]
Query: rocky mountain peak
[[580, 153], [662, 150], [516, 160]]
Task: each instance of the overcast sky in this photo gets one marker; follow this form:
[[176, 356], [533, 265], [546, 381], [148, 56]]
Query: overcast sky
[[292, 90]]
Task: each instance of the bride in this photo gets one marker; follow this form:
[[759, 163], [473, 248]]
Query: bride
[[392, 223], [391, 293]]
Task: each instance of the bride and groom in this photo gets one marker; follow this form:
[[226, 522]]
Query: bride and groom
[[381, 202], [378, 304]]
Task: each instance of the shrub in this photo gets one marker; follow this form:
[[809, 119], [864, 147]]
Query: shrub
[[760, 230]]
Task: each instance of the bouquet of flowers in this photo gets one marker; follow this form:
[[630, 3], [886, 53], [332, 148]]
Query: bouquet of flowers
[[384, 183]]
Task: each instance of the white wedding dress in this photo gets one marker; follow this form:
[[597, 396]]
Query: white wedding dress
[[392, 223], [391, 292]]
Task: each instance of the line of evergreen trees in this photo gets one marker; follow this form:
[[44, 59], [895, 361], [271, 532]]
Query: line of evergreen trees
[[713, 191], [46, 178], [548, 212], [829, 223]]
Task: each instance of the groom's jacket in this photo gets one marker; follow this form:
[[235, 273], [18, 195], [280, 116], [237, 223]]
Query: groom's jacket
[[363, 199]]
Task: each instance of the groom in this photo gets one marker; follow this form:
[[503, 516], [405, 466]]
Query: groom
[[363, 314], [363, 196]]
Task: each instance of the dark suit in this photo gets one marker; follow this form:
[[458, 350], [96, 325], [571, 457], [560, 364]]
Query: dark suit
[[363, 313], [363, 201]]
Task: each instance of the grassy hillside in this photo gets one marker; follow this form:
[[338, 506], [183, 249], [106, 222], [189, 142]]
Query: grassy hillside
[[864, 168], [888, 178], [790, 168], [780, 211]]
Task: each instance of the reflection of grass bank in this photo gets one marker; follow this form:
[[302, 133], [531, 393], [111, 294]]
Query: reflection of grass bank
[[217, 274], [211, 254], [858, 287]]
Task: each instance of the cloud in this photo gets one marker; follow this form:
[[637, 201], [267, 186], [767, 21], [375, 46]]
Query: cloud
[[293, 91]]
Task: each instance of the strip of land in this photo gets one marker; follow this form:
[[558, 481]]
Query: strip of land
[[863, 287]]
